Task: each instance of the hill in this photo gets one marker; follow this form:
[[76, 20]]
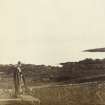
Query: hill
[[87, 70]]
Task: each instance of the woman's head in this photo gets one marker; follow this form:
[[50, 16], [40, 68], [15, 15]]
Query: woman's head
[[19, 63]]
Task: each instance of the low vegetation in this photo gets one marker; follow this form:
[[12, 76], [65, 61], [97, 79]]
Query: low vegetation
[[72, 72], [81, 94]]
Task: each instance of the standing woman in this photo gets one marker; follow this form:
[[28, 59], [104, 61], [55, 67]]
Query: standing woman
[[19, 80]]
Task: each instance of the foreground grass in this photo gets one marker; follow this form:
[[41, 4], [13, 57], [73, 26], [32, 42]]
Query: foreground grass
[[84, 94]]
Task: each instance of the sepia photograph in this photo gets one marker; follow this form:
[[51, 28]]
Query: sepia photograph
[[52, 52]]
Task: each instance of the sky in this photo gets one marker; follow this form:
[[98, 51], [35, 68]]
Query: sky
[[50, 31]]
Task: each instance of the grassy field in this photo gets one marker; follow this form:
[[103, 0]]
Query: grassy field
[[84, 94], [77, 94]]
